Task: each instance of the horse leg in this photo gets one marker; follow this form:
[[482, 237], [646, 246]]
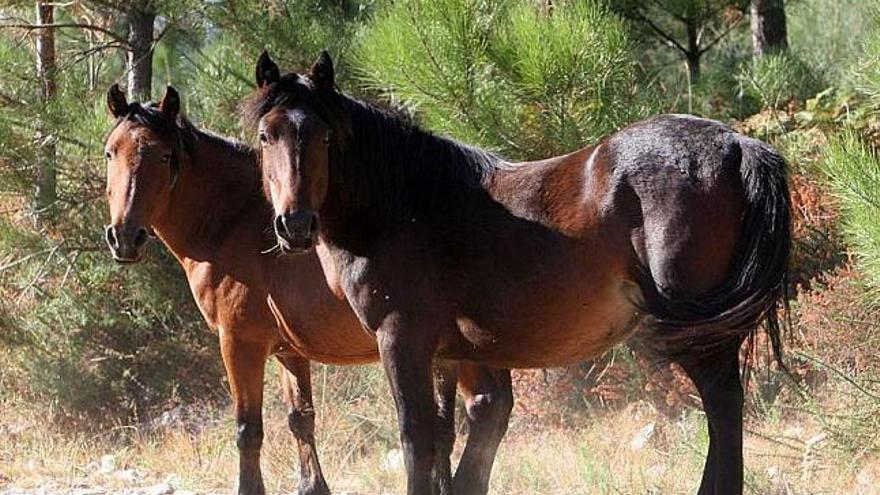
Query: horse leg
[[245, 362], [488, 402], [445, 378], [718, 382], [297, 388], [407, 359]]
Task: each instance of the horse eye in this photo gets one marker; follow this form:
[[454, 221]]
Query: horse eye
[[107, 155], [166, 158], [263, 138]]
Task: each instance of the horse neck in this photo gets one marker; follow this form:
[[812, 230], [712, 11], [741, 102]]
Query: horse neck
[[218, 180], [391, 173]]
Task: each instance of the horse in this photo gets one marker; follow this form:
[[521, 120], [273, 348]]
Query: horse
[[201, 195], [675, 227]]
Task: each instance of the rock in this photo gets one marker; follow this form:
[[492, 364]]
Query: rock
[[393, 460], [641, 439], [81, 490], [160, 489], [127, 475], [656, 471], [107, 464]]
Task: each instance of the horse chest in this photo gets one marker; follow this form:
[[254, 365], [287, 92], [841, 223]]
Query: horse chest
[[224, 301]]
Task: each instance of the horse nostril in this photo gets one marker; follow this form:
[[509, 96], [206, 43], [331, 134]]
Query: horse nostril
[[110, 236], [141, 238]]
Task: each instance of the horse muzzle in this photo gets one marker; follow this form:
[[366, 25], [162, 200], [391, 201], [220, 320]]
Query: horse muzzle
[[297, 233], [126, 244]]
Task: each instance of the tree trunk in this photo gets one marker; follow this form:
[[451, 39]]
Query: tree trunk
[[693, 54], [46, 186], [140, 56], [768, 27]]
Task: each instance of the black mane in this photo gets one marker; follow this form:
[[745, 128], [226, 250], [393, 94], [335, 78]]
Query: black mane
[[383, 166], [181, 132]]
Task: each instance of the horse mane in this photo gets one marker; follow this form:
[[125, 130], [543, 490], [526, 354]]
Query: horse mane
[[182, 133], [381, 161]]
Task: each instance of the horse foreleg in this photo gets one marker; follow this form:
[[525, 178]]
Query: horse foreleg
[[245, 362], [297, 387], [718, 383], [445, 377], [407, 359], [488, 402]]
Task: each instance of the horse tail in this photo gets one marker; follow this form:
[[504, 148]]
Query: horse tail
[[687, 327]]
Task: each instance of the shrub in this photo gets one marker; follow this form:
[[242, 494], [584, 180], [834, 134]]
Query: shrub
[[506, 75], [775, 80], [854, 175], [828, 35], [866, 70], [78, 332]]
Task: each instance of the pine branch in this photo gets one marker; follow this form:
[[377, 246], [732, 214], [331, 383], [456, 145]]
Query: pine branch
[[74, 25]]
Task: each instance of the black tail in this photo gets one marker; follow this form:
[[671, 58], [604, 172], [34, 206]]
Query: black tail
[[756, 288]]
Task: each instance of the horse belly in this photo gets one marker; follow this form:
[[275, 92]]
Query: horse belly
[[328, 333], [565, 331]]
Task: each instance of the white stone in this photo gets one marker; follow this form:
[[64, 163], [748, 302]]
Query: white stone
[[393, 460], [641, 439], [107, 464], [160, 489]]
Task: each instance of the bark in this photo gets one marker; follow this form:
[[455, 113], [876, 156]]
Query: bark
[[693, 54], [46, 185], [768, 27], [140, 55]]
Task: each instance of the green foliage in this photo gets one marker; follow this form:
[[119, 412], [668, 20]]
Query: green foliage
[[828, 35], [866, 70], [221, 77], [718, 93], [506, 75], [294, 32], [774, 80], [853, 172], [219, 71], [77, 331]]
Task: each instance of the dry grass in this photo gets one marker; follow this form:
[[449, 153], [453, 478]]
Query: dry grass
[[635, 450]]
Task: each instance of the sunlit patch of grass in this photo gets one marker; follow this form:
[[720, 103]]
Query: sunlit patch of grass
[[633, 450]]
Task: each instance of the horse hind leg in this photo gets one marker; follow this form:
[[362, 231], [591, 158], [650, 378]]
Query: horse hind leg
[[488, 402], [718, 382], [445, 378], [297, 388]]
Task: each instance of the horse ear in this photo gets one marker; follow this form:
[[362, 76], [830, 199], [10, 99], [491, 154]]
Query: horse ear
[[170, 104], [267, 71], [116, 101], [322, 73]]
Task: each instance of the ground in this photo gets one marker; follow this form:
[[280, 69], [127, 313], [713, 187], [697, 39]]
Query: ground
[[635, 450]]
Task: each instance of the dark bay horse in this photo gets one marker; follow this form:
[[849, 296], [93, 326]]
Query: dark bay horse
[[202, 196], [676, 226]]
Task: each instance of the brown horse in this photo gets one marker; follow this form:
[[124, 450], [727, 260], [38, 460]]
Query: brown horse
[[201, 195], [677, 226]]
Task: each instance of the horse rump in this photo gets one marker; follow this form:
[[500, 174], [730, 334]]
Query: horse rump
[[690, 328]]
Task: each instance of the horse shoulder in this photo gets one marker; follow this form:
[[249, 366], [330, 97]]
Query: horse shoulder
[[226, 302]]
